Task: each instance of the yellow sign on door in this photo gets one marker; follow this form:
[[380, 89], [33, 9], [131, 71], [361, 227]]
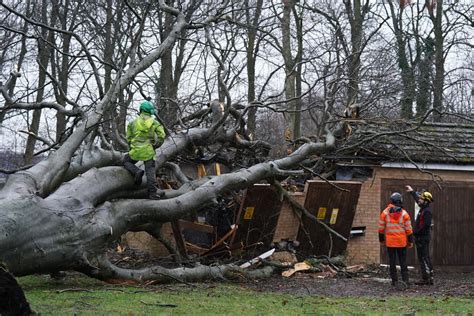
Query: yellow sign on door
[[333, 219], [321, 213], [249, 212]]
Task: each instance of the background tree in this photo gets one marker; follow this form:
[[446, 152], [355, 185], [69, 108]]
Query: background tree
[[44, 54], [253, 12]]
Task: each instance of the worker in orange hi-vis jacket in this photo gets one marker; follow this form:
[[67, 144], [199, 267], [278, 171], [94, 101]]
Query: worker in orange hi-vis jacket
[[396, 233]]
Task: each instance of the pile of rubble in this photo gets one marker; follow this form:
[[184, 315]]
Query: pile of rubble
[[284, 256]]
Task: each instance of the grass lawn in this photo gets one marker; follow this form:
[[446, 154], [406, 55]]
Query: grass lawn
[[77, 295]]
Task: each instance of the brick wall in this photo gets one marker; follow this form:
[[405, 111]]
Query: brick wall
[[366, 249], [288, 223]]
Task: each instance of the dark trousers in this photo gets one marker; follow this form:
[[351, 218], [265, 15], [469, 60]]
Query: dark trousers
[[401, 253], [129, 164], [423, 253]]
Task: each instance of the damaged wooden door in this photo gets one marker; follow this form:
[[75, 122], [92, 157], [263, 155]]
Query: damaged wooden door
[[335, 204], [258, 217]]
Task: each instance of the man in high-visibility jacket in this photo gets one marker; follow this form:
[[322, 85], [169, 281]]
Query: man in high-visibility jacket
[[144, 135], [396, 233]]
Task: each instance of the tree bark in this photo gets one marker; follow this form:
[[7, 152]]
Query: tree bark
[[356, 19], [63, 73], [290, 80], [423, 99]]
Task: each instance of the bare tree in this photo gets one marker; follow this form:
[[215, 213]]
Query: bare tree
[[406, 69], [293, 129], [17, 60], [44, 53], [427, 33], [252, 22]]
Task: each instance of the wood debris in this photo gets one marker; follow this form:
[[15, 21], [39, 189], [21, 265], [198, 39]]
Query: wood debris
[[300, 266]]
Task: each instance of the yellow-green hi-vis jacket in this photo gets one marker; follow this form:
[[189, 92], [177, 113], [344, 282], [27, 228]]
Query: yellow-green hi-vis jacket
[[144, 134]]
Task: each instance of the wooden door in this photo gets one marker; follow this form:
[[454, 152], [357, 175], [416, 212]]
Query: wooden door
[[258, 217], [452, 241], [453, 213], [333, 206]]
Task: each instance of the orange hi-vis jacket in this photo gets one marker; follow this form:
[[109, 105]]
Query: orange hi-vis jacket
[[396, 226]]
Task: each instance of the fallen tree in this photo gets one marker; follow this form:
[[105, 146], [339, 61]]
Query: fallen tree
[[65, 212], [49, 224]]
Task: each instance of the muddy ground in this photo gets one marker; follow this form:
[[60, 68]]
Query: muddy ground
[[446, 284], [372, 281]]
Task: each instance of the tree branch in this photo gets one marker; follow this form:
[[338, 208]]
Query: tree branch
[[157, 273]]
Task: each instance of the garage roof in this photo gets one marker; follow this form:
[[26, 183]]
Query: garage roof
[[413, 142]]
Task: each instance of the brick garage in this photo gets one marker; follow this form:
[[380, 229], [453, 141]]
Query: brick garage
[[366, 249], [437, 157]]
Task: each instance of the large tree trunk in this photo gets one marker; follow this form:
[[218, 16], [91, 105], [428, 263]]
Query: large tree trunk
[[57, 215], [63, 71], [423, 98], [293, 115], [356, 19]]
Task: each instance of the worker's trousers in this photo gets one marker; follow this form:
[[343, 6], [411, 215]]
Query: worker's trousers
[[423, 253], [401, 253], [129, 164]]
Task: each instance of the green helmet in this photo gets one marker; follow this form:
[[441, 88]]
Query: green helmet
[[148, 107]]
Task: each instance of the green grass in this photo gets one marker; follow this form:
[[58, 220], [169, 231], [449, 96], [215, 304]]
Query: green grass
[[78, 295]]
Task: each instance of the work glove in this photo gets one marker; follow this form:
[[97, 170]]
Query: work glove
[[381, 238]]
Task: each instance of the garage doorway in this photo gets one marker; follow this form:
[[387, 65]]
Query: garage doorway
[[453, 218]]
